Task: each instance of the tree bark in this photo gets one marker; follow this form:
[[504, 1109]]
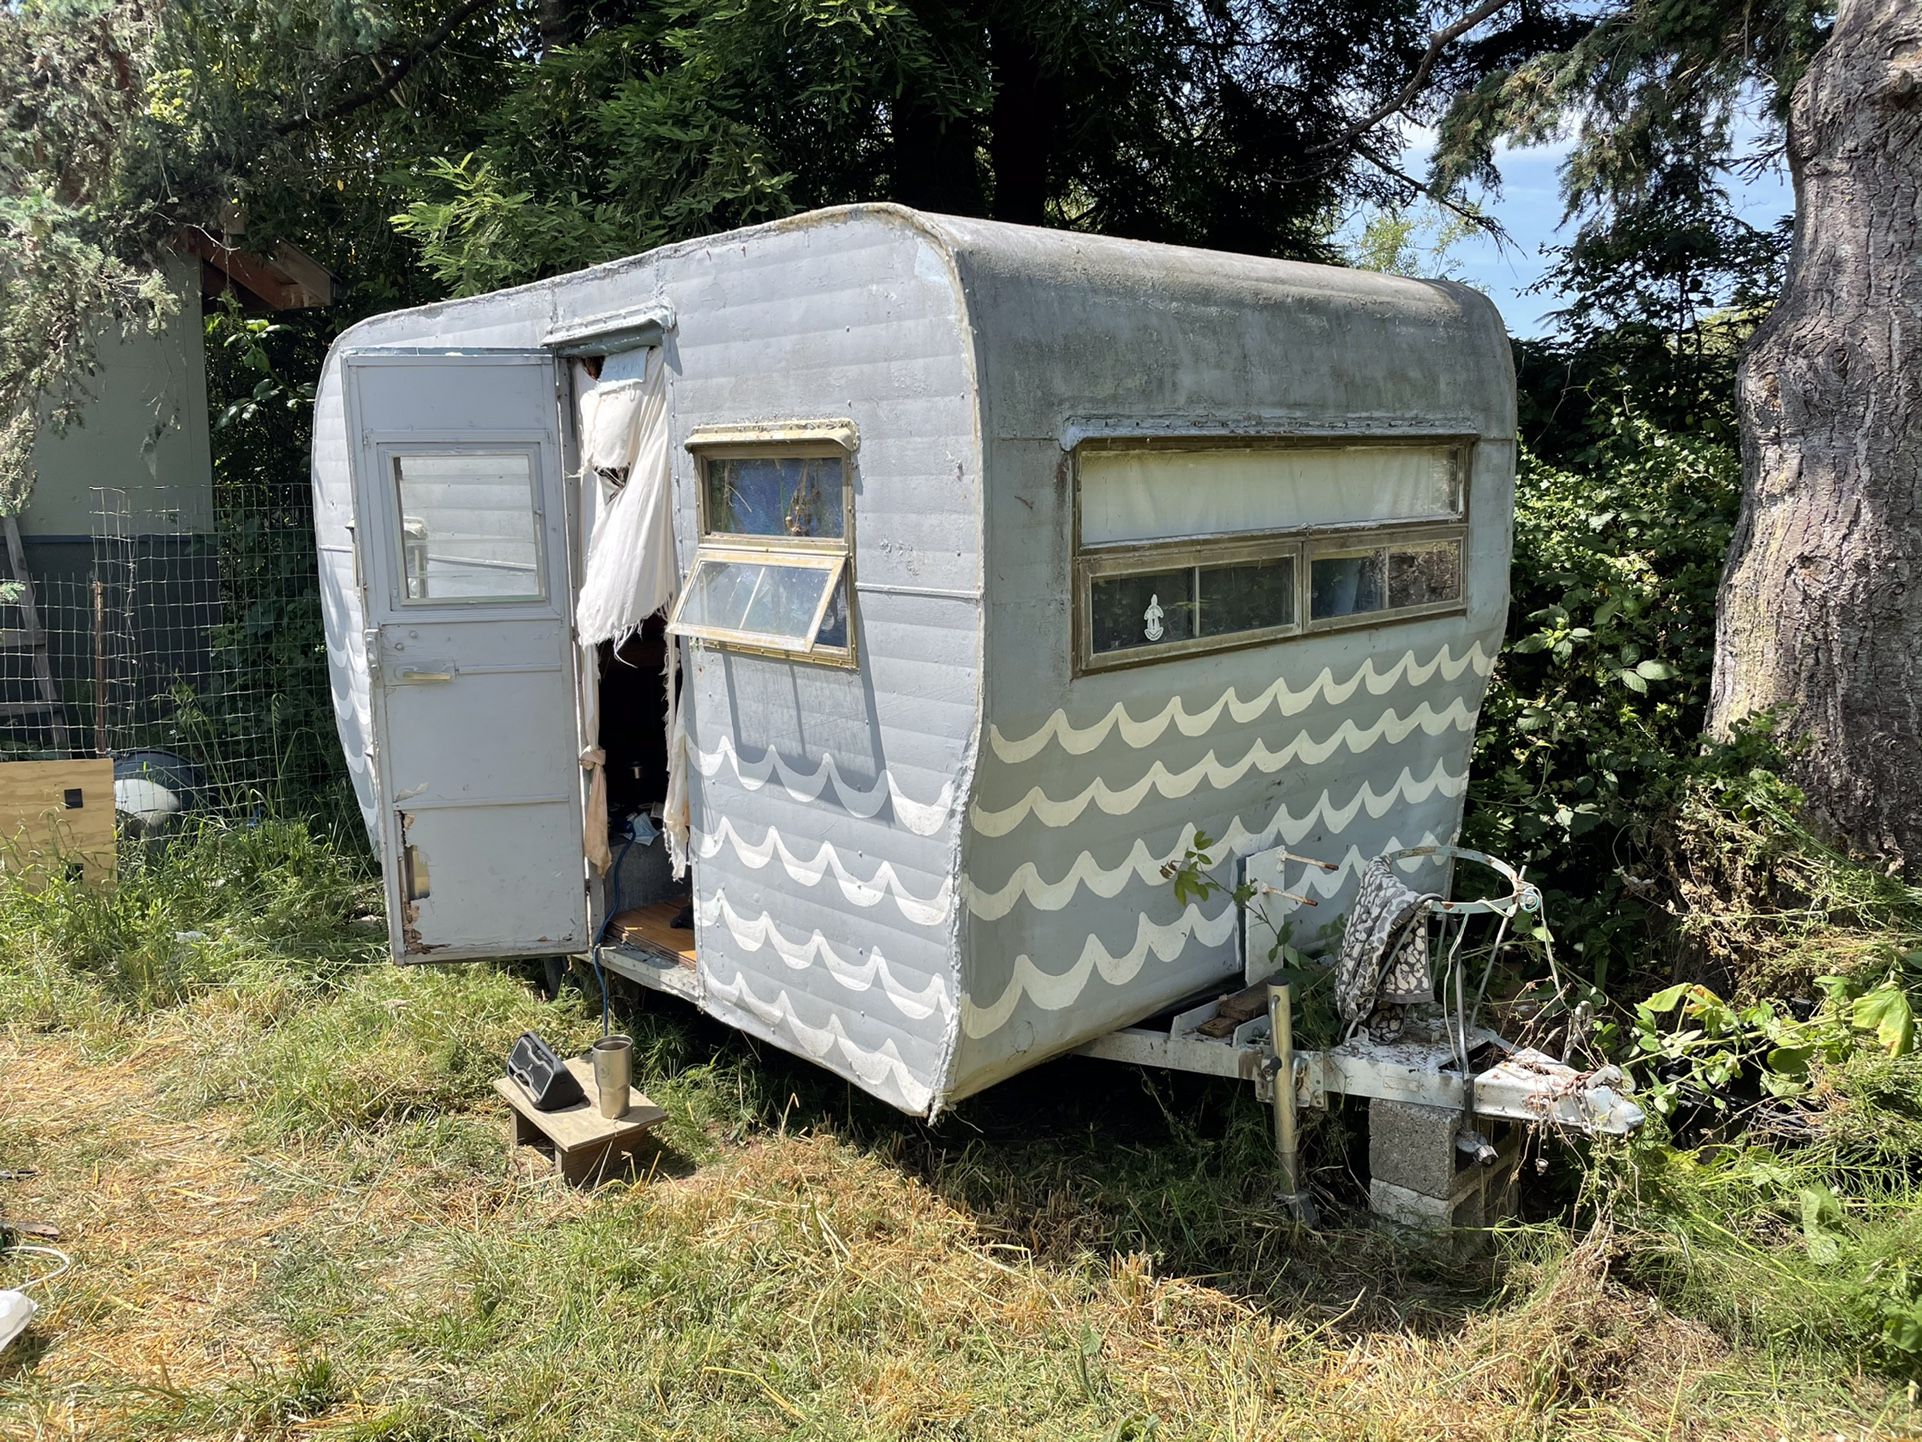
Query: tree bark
[[561, 22], [1820, 615]]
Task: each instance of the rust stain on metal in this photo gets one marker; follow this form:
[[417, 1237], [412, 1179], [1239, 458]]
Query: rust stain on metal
[[410, 892]]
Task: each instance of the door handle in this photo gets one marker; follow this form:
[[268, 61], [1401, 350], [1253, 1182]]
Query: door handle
[[418, 676]]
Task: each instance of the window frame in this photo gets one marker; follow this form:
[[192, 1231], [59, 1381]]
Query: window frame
[[798, 440], [1302, 543], [765, 641], [1136, 559], [389, 455], [1396, 538]]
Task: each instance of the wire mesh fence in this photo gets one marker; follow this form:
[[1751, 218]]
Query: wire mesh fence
[[190, 631]]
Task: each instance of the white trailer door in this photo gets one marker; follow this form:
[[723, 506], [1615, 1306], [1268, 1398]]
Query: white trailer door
[[462, 544]]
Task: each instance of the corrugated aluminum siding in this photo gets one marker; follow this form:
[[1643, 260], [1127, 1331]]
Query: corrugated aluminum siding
[[827, 803]]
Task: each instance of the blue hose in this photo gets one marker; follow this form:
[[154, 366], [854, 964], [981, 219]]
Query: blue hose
[[612, 911]]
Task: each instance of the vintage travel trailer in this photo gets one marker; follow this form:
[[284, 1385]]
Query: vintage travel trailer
[[982, 568]]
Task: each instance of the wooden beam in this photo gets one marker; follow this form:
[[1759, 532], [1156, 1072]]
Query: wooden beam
[[308, 276], [292, 280]]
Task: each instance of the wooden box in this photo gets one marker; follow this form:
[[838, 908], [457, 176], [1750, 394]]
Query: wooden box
[[57, 819]]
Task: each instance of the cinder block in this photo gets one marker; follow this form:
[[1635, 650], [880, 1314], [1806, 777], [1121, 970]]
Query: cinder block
[[1480, 1196], [1416, 1209], [1413, 1146]]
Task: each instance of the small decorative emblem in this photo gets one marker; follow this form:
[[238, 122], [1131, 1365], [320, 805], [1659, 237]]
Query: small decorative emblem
[[1153, 617]]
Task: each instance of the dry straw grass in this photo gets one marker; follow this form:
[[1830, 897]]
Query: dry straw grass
[[795, 1285], [281, 1174]]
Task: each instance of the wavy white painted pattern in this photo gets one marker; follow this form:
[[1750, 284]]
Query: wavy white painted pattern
[[752, 933], [923, 818], [1080, 740], [875, 1068], [1055, 991], [1391, 726], [1141, 864], [922, 911], [1052, 991]]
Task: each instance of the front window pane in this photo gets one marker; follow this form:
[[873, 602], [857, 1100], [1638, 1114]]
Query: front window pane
[[1146, 610], [1248, 596], [783, 497], [1345, 585], [770, 602], [1425, 575], [468, 527]]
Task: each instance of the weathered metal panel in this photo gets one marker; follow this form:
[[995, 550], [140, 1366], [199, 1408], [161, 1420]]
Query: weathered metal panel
[[342, 615], [830, 803], [827, 804], [1338, 744]]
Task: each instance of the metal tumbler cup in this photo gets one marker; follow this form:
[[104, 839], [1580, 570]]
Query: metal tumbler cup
[[613, 1073]]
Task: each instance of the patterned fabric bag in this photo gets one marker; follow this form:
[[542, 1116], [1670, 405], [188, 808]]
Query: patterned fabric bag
[[1382, 968]]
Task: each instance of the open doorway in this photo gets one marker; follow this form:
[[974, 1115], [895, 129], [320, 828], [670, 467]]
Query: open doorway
[[647, 908], [631, 575]]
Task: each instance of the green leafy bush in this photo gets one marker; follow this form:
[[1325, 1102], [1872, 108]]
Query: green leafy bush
[[1594, 715], [218, 903], [1687, 1041]]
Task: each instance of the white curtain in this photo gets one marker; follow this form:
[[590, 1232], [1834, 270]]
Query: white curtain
[[1164, 495], [631, 570]]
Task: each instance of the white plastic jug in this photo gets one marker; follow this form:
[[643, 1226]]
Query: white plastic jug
[[16, 1310]]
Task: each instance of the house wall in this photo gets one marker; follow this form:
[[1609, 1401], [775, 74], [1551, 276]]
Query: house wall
[[826, 803], [1338, 745], [137, 469], [145, 432]]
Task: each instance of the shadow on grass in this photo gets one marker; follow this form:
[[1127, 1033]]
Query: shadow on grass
[[24, 1354], [1080, 1157]]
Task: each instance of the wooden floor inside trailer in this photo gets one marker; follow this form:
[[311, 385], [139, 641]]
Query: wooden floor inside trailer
[[652, 929]]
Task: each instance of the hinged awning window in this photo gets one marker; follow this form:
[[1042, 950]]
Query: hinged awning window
[[775, 568], [774, 601]]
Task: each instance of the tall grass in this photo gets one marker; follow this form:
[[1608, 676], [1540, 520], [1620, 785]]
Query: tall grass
[[303, 1169], [218, 904]]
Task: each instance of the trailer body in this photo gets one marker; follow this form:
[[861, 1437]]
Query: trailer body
[[1113, 549]]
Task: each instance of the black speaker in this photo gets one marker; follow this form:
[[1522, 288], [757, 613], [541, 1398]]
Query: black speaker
[[542, 1074]]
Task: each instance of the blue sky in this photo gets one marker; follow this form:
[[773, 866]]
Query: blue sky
[[1530, 207]]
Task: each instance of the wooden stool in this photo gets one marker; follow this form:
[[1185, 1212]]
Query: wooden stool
[[583, 1142]]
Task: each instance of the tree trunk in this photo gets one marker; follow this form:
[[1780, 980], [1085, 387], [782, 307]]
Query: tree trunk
[[1820, 616], [560, 23], [1024, 126], [936, 161]]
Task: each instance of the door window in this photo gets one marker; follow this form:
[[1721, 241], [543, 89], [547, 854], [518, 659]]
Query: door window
[[470, 526]]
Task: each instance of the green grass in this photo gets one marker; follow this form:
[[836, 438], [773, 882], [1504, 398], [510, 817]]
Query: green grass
[[278, 1163]]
